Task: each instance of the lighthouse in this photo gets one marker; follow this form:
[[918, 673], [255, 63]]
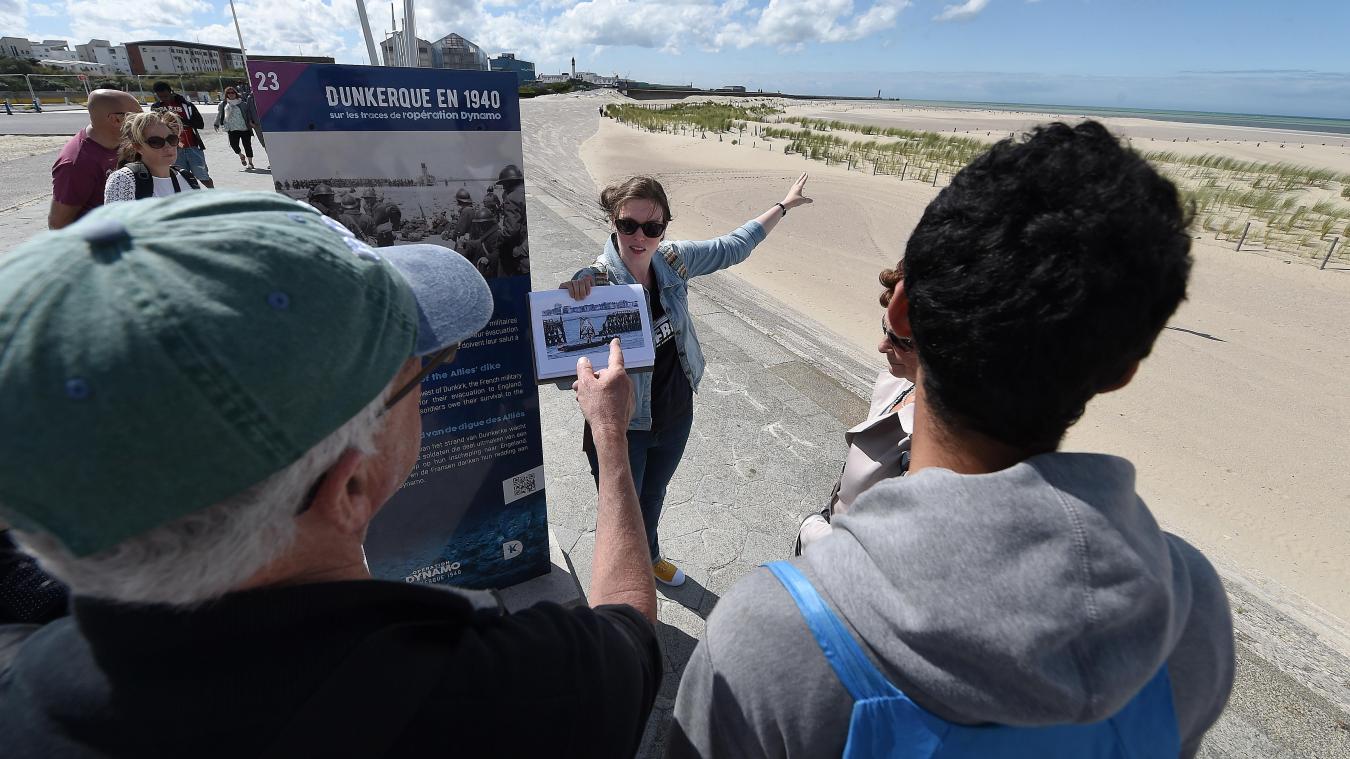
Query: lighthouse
[[574, 67]]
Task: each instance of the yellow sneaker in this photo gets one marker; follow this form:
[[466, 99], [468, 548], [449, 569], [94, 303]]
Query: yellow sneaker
[[667, 573]]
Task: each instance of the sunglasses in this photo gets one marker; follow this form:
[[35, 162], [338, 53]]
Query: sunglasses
[[429, 364], [902, 344], [155, 143], [652, 229]]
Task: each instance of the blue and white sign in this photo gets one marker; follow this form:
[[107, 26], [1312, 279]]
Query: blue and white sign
[[399, 156]]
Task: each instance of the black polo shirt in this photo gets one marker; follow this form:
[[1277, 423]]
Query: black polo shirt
[[361, 668]]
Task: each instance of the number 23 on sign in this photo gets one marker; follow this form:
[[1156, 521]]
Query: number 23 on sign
[[266, 80]]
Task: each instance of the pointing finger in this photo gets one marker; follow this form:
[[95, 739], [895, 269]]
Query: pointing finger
[[615, 355]]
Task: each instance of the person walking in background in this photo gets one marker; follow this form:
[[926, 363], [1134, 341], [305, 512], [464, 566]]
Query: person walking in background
[[82, 168], [239, 119], [638, 253], [1002, 599], [191, 149], [878, 448], [146, 160]]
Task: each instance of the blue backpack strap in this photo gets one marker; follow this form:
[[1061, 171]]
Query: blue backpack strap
[[846, 657]]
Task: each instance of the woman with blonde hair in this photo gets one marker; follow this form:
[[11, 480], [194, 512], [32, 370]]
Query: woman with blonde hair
[[145, 160]]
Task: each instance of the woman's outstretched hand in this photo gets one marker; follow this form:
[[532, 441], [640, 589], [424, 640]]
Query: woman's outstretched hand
[[795, 197]]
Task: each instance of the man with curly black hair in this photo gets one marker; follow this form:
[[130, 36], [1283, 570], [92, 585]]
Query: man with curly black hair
[[1003, 598]]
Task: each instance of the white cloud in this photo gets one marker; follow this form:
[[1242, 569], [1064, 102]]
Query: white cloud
[[109, 19], [793, 23], [963, 12], [667, 26], [14, 17], [295, 27]]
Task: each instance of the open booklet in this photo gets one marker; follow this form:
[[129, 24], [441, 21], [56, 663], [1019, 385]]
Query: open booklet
[[565, 329]]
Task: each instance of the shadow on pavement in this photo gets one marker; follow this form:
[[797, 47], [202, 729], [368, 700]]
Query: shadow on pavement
[[691, 595]]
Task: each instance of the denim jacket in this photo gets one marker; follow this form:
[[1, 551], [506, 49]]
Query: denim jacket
[[673, 263]]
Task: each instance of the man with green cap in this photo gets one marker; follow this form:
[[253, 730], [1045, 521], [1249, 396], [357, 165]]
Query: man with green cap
[[198, 432]]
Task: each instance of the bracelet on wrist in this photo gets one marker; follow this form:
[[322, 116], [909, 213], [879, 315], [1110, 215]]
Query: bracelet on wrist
[[784, 210]]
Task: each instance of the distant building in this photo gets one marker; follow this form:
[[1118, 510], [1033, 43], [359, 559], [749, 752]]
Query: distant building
[[393, 42], [294, 58], [524, 70], [454, 52], [596, 79], [553, 78], [57, 50], [112, 57], [16, 47], [175, 57], [449, 52], [78, 67]]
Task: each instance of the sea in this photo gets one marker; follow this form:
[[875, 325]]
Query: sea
[[1259, 121]]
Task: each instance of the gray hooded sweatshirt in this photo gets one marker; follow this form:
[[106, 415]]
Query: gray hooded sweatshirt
[[1041, 594]]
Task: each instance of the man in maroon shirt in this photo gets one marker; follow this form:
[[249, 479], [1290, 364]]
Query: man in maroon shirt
[[85, 162]]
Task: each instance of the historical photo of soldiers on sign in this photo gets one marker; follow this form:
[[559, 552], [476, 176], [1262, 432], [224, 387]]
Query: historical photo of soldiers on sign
[[463, 190], [565, 329]]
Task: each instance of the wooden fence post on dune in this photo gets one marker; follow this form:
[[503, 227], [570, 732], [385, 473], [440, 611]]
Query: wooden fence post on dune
[[1244, 235], [1330, 250]]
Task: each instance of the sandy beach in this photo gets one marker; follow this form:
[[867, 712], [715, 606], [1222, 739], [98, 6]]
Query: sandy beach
[[1322, 150], [1235, 423]]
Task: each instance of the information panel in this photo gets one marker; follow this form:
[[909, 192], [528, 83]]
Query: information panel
[[402, 156]]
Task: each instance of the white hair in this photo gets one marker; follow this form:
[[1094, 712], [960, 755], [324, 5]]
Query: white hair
[[209, 552]]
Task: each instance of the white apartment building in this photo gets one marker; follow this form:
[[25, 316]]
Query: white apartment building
[[57, 50], [16, 47], [176, 57], [113, 57]]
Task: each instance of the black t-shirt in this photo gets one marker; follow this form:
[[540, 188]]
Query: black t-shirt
[[227, 679], [672, 396], [28, 595]]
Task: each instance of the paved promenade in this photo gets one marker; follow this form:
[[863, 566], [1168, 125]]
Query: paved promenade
[[766, 446]]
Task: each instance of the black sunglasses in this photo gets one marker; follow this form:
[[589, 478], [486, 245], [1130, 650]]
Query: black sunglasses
[[652, 229], [902, 344], [429, 365], [155, 143]]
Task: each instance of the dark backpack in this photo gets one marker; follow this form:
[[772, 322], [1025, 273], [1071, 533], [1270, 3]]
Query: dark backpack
[[145, 184]]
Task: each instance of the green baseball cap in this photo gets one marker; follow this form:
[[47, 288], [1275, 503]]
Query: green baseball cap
[[160, 356]]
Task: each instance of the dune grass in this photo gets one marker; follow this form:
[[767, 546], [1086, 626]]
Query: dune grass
[[1293, 209]]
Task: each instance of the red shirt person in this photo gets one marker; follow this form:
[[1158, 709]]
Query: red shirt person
[[83, 166]]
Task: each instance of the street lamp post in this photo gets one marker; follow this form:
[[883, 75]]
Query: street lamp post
[[243, 52]]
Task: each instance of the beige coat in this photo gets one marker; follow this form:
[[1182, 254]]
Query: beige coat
[[874, 451], [875, 446]]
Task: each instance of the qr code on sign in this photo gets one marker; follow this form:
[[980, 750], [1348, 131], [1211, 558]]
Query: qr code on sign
[[524, 484]]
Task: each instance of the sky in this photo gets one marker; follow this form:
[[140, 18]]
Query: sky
[[1242, 56]]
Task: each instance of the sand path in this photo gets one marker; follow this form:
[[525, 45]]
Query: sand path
[[1236, 423]]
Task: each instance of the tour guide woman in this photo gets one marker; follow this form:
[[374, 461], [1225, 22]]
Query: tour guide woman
[[637, 252]]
